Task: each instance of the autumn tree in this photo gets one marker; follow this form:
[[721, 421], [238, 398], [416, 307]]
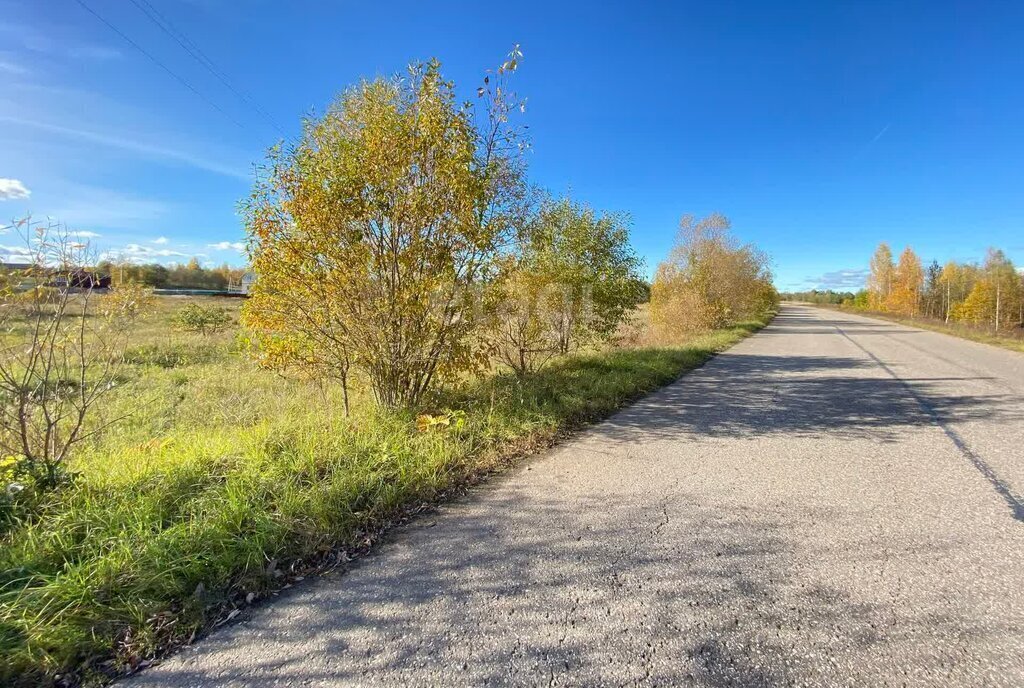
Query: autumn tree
[[978, 306], [990, 295], [932, 298], [570, 281], [994, 299], [376, 235], [1005, 286], [525, 330], [907, 283], [880, 279], [957, 281], [709, 279]]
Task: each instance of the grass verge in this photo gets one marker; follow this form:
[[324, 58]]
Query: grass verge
[[158, 541]]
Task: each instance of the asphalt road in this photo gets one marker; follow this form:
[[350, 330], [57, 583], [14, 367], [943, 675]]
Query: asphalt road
[[834, 501]]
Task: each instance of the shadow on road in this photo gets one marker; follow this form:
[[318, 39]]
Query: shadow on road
[[750, 395], [684, 591], [756, 395]]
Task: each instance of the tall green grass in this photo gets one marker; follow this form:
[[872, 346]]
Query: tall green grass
[[227, 480]]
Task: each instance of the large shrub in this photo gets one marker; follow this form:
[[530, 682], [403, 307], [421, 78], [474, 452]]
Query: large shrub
[[709, 280], [375, 235], [570, 282]]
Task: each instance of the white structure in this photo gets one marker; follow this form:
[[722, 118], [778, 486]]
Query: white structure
[[243, 285]]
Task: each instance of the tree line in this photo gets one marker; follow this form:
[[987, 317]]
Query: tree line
[[399, 245], [989, 294], [190, 275], [823, 296]]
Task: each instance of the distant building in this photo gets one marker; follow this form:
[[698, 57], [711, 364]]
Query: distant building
[[78, 278], [83, 279], [243, 285], [15, 267]]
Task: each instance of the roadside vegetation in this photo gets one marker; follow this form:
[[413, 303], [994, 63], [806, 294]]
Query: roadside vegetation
[[422, 317], [708, 280], [982, 302]]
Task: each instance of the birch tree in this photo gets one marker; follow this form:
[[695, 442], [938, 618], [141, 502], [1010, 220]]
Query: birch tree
[[907, 283], [881, 277]]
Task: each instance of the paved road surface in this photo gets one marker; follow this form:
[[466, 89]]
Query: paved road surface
[[836, 500]]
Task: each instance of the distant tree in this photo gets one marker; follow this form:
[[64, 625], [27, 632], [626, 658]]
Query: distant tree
[[826, 296], [933, 295], [709, 279], [958, 281], [155, 275], [192, 275], [979, 305], [589, 257], [907, 283], [1005, 287], [990, 295], [201, 319], [881, 277]]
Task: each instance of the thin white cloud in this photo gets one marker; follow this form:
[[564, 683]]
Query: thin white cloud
[[140, 250], [85, 234], [228, 246], [160, 241], [13, 189], [89, 206], [18, 253], [138, 147], [840, 279], [864, 149], [57, 42], [139, 253], [11, 67]]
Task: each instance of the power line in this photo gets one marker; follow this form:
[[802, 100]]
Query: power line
[[160, 64], [199, 56]]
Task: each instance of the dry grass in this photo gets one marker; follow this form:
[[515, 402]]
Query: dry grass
[[225, 480]]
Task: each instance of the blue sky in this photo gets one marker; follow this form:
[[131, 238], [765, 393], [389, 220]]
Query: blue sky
[[819, 128]]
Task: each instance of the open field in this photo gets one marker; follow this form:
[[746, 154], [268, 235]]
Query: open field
[[224, 482]]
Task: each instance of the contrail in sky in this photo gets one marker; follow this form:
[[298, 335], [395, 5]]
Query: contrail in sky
[[881, 133]]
